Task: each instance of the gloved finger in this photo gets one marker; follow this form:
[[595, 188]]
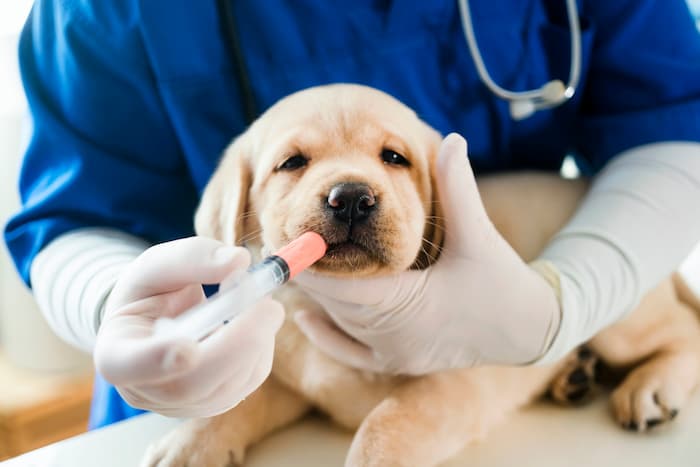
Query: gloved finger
[[369, 292], [464, 212], [125, 351], [228, 354], [227, 395], [169, 304], [143, 397], [232, 278], [325, 335], [249, 329], [129, 361], [190, 396], [233, 390], [172, 265]]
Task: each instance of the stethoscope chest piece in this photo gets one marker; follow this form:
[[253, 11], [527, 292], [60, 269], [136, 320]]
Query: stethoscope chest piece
[[523, 104]]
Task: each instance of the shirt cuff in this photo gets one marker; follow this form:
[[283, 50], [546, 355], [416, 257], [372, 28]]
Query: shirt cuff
[[73, 276], [551, 352]]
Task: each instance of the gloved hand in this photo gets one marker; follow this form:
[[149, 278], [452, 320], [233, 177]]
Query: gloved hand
[[478, 304], [178, 376]]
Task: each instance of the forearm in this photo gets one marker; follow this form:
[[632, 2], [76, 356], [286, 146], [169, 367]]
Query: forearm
[[639, 221], [73, 275]]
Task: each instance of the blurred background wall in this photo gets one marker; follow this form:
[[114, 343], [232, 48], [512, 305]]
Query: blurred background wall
[[25, 339]]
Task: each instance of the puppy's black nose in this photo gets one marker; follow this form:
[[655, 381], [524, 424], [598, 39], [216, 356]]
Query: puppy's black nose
[[351, 202]]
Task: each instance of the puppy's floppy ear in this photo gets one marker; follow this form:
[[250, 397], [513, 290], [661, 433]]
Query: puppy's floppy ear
[[221, 211], [434, 232]]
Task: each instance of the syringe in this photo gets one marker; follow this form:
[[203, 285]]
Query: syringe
[[260, 280]]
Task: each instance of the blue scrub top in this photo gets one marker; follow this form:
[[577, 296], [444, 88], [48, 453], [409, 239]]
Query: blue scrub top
[[134, 101]]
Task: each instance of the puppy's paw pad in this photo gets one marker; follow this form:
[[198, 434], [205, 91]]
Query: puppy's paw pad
[[576, 383]]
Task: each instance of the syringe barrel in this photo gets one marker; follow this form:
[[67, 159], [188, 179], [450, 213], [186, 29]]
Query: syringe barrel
[[224, 306]]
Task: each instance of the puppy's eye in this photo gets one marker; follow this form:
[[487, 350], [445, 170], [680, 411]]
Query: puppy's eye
[[394, 158], [295, 162]]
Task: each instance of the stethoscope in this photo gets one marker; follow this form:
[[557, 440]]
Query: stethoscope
[[522, 104], [553, 93]]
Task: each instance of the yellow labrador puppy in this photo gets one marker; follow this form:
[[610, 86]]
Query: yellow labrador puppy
[[297, 168]]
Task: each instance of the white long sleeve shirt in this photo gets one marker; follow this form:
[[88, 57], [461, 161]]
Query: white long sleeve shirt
[[637, 224]]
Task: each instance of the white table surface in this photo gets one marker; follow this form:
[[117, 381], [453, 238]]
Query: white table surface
[[541, 436]]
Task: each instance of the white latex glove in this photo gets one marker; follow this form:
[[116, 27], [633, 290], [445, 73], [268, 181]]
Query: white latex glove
[[178, 376], [479, 304]]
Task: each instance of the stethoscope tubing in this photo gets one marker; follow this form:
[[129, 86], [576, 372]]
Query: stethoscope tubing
[[538, 98], [534, 94]]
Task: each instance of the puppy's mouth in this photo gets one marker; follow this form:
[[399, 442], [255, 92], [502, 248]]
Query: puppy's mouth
[[352, 252], [345, 248]]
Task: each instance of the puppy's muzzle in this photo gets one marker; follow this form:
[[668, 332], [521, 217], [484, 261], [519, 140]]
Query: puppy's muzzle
[[351, 203]]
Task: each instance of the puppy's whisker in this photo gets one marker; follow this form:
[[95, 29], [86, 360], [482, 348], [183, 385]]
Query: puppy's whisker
[[251, 236], [438, 250], [250, 239], [419, 262], [428, 257], [436, 225], [255, 231], [433, 244], [247, 215]]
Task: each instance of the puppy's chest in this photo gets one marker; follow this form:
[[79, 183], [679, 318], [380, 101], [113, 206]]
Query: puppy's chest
[[344, 393]]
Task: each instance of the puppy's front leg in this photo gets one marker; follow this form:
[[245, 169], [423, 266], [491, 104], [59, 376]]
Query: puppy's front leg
[[222, 440], [429, 419]]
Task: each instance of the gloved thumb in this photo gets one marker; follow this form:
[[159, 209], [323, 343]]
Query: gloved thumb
[[324, 334], [466, 222]]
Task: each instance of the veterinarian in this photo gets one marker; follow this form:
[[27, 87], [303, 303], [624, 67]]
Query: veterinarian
[[133, 102]]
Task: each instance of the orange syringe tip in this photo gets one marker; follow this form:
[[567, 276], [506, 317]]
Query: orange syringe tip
[[303, 252]]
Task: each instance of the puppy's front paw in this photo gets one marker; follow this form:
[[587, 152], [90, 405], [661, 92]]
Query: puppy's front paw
[[576, 384], [654, 393], [193, 445]]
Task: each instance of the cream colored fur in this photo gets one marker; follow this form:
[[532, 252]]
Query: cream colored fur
[[401, 421]]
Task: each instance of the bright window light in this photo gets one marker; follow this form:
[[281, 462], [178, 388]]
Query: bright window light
[[13, 13]]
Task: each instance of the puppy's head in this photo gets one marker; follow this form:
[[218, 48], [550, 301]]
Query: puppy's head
[[346, 161]]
